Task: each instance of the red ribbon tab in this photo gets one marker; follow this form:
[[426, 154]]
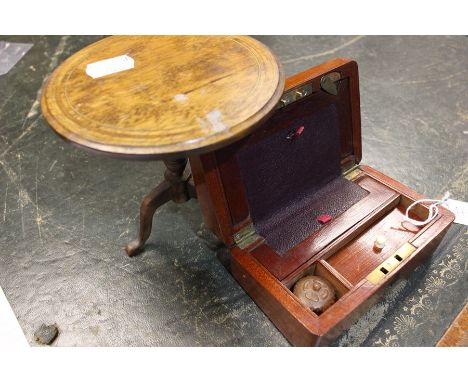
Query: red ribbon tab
[[323, 219], [296, 133]]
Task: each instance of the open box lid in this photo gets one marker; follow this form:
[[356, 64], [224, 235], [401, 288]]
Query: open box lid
[[327, 94]]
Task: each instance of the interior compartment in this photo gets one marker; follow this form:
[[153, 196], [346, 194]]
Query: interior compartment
[[322, 269], [345, 267], [290, 179], [359, 256], [380, 200]]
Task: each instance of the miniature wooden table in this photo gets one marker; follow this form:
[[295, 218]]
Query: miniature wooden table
[[162, 97]]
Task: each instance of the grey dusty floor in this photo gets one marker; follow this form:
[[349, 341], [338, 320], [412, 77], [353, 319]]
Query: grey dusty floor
[[65, 215]]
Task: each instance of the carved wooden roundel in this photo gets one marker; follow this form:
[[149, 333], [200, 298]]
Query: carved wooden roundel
[[315, 292]]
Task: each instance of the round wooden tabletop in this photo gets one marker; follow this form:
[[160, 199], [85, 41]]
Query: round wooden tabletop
[[162, 96]]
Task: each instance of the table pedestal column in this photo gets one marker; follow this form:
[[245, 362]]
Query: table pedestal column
[[176, 186]]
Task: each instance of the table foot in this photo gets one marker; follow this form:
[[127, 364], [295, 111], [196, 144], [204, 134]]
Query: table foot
[[156, 198], [175, 187]]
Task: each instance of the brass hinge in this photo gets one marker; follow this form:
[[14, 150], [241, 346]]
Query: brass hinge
[[246, 236], [294, 95], [328, 83], [351, 172], [379, 273]]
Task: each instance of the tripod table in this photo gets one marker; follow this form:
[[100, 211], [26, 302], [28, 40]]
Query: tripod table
[[162, 97]]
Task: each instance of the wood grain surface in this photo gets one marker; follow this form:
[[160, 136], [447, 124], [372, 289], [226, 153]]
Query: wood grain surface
[[300, 325], [357, 259], [457, 333], [185, 94]]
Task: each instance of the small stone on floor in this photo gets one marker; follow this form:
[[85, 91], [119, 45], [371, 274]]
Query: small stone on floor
[[46, 334]]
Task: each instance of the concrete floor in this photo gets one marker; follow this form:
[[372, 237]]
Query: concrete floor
[[65, 215]]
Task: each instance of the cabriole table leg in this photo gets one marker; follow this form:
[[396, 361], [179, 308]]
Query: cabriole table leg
[[176, 187]]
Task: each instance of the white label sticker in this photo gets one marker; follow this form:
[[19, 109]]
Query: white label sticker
[[460, 209], [110, 66]]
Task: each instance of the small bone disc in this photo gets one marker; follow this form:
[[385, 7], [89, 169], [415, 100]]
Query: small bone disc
[[380, 242]]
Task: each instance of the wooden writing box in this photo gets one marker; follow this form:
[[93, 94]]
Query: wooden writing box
[[261, 196]]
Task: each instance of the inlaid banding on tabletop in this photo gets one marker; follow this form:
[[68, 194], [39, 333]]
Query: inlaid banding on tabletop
[[184, 94]]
